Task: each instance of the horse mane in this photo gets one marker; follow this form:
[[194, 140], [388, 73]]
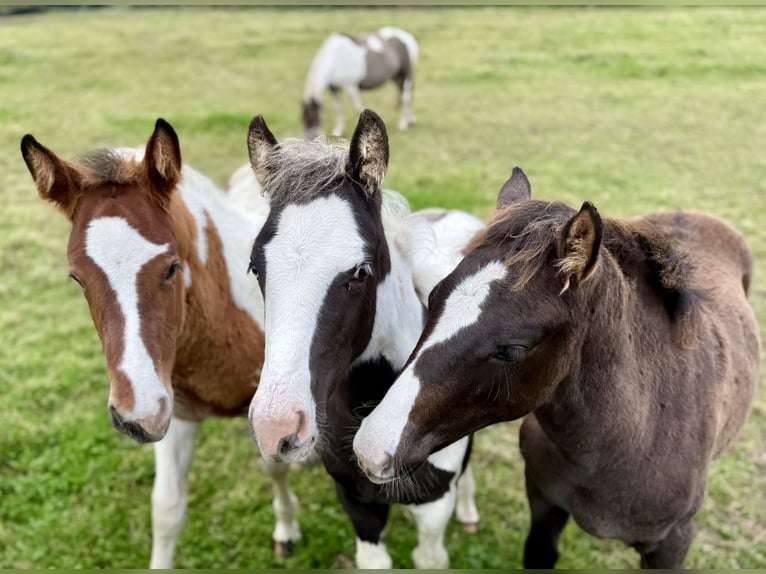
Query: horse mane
[[110, 165], [528, 231], [299, 170], [666, 267]]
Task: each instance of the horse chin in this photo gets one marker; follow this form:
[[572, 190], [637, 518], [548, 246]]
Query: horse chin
[[138, 433], [375, 479]]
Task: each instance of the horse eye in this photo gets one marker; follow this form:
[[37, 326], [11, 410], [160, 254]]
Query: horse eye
[[510, 353], [251, 268], [363, 271], [172, 270]]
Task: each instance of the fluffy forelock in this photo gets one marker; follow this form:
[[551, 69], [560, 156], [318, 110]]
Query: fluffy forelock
[[299, 170]]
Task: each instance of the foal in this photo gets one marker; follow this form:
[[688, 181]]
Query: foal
[[351, 63], [629, 345], [158, 252], [342, 315]]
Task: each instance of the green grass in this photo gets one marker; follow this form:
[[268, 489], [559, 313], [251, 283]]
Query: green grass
[[633, 109]]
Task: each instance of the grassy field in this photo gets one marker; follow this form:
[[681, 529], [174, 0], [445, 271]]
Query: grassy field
[[633, 109]]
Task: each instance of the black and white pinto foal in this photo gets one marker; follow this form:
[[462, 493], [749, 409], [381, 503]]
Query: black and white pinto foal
[[342, 314]]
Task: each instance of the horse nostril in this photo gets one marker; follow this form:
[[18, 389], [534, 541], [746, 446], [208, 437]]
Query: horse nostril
[[163, 413], [385, 465], [302, 422], [287, 443], [115, 417]]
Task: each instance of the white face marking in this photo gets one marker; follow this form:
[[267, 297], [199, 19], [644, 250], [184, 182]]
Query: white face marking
[[381, 431], [121, 252], [313, 244]]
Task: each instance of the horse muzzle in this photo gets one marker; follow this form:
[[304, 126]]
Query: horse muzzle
[[284, 438], [378, 466], [146, 429]]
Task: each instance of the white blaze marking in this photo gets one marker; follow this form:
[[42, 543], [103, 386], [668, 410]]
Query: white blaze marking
[[121, 252], [382, 429], [313, 244]]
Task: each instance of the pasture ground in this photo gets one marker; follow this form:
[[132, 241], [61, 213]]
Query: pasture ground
[[634, 109]]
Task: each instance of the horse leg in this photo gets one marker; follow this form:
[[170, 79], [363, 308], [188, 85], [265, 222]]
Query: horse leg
[[465, 509], [431, 519], [548, 520], [339, 120], [670, 552], [172, 456], [405, 99], [356, 99], [285, 504], [369, 520]]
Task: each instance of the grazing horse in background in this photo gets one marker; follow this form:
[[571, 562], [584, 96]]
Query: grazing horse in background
[[342, 315], [351, 63], [629, 345], [157, 249]]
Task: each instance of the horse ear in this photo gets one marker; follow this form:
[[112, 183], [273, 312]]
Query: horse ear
[[368, 154], [57, 181], [517, 188], [163, 159], [260, 143], [579, 245]]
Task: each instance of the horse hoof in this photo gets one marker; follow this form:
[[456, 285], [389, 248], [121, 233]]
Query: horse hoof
[[283, 549], [470, 527]]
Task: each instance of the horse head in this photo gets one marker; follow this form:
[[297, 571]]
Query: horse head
[[319, 258], [124, 254], [501, 333]]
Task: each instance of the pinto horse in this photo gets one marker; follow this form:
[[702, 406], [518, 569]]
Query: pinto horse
[[342, 314], [157, 249], [629, 345], [351, 63]]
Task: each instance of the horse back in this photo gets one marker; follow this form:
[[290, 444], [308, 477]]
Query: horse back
[[728, 331], [392, 62], [718, 251]]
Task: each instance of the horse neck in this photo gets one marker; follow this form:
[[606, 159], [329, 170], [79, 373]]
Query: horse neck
[[607, 400], [399, 315], [214, 241]]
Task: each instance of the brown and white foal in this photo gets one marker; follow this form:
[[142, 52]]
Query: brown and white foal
[[159, 252]]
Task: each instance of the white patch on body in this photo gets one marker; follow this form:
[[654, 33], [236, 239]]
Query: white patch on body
[[433, 244], [382, 429], [237, 222], [405, 37], [374, 43], [121, 251], [339, 62]]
